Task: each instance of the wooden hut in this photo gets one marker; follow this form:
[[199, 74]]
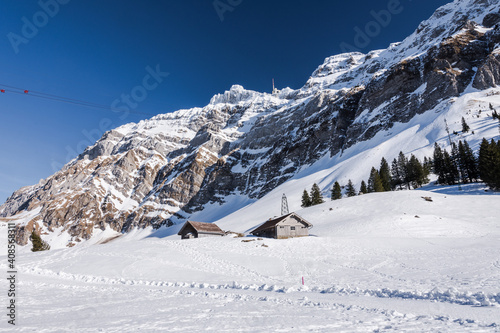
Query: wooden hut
[[192, 229], [286, 226]]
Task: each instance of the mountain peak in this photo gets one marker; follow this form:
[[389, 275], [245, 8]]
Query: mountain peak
[[235, 95]]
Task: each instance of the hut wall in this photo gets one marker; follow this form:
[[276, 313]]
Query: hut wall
[[189, 232], [203, 235], [290, 227]]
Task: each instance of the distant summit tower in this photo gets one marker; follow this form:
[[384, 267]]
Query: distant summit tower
[[275, 91], [284, 205]]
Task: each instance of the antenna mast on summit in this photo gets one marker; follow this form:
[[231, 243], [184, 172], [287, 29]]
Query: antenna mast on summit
[[275, 91], [284, 205]]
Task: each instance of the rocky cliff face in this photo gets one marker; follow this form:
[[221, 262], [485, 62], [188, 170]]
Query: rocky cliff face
[[161, 170]]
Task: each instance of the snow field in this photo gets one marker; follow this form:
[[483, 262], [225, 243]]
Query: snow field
[[369, 265]]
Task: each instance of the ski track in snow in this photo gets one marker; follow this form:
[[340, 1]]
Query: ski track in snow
[[339, 314], [208, 263], [269, 292], [307, 299]]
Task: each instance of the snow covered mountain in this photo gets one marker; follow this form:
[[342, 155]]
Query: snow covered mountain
[[206, 163]]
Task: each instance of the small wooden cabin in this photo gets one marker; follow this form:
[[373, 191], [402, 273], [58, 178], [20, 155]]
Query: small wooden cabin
[[286, 226], [192, 229]]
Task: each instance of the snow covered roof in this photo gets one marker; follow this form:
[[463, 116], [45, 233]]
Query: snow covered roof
[[271, 223], [208, 228]]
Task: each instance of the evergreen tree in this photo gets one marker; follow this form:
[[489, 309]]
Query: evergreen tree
[[403, 168], [427, 167], [486, 161], [385, 175], [306, 200], [416, 172], [489, 163], [495, 183], [397, 180], [461, 162], [38, 243], [495, 115], [455, 160], [316, 196], [363, 189], [336, 191], [467, 162], [374, 182], [450, 169], [350, 190], [439, 165], [465, 126]]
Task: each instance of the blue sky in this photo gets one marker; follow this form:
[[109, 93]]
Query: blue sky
[[99, 51]]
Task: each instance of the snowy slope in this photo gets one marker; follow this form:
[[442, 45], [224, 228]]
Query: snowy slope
[[416, 137], [371, 265]]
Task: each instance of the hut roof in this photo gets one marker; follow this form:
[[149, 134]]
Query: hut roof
[[208, 228], [272, 223]]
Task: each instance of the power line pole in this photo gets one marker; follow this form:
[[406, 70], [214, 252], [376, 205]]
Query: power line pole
[[284, 205]]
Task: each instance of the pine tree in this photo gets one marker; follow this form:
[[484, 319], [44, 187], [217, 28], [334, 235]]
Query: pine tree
[[465, 126], [374, 182], [462, 163], [306, 200], [489, 163], [483, 160], [416, 172], [363, 189], [38, 243], [450, 169], [495, 184], [467, 162], [471, 163], [350, 190], [439, 165], [316, 196], [385, 175], [403, 168], [397, 181], [336, 191], [427, 167], [456, 161], [495, 115]]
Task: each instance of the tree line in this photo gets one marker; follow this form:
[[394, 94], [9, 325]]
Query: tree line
[[460, 165], [315, 198], [463, 166]]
